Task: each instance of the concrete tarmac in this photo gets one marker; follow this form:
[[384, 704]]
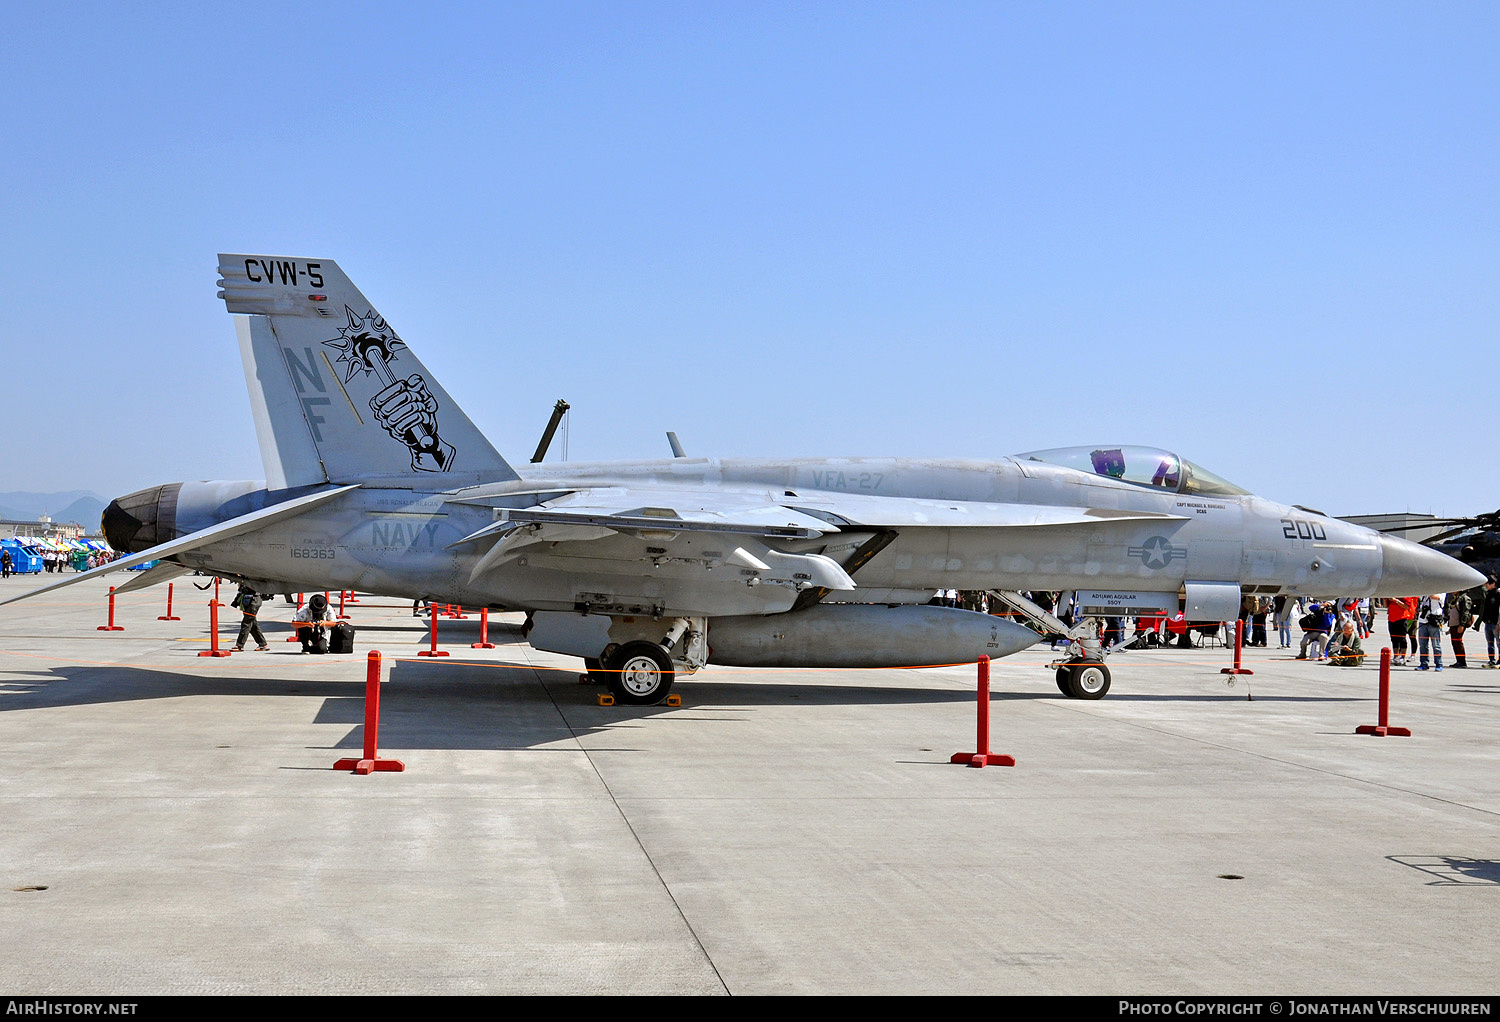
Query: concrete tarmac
[[780, 832]]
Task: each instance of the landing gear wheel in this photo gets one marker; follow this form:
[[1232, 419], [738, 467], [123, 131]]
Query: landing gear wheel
[[1063, 683], [640, 674], [1089, 680]]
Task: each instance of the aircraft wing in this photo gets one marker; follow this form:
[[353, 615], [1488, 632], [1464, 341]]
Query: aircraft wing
[[658, 509], [203, 537], [778, 515], [742, 523], [757, 534], [869, 511]]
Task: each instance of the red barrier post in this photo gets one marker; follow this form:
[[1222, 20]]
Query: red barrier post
[[484, 631], [432, 612], [1384, 728], [216, 588], [296, 635], [370, 762], [342, 616], [168, 615], [983, 757], [213, 632], [353, 596], [111, 627], [455, 612], [1239, 643]]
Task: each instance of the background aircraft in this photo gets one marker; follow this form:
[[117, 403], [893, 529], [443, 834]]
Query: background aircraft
[[377, 481], [1475, 540]]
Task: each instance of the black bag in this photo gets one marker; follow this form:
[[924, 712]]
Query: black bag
[[1434, 612], [317, 642], [342, 639], [1311, 622]]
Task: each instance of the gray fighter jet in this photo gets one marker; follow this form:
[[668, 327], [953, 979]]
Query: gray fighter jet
[[377, 481]]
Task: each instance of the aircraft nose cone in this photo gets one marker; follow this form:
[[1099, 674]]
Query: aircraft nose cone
[[1410, 569]]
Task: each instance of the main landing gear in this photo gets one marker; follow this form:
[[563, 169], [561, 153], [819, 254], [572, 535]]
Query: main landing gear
[[636, 673], [639, 673]]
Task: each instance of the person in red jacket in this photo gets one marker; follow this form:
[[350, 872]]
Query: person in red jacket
[[1398, 611]]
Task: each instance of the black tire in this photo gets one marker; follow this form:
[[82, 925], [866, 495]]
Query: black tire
[[1064, 681], [1088, 680], [640, 674]]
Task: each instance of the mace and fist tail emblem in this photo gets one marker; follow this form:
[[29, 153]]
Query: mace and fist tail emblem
[[405, 408]]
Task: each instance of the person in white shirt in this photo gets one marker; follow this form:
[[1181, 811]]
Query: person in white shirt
[[1430, 619], [310, 621]]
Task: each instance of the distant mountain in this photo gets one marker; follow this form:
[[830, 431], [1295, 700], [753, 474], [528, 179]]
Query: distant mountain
[[84, 510], [83, 506]]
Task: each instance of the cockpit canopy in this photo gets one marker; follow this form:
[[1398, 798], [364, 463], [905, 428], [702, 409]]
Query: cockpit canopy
[[1143, 466]]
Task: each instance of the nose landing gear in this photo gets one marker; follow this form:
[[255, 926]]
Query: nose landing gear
[[1087, 679]]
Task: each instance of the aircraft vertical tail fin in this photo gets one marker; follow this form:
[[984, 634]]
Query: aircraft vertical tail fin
[[337, 395]]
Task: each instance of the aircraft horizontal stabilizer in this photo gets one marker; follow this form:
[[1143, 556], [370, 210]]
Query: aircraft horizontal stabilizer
[[163, 572], [224, 530]]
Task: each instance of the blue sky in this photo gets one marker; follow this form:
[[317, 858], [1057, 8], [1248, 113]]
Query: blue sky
[[1262, 235]]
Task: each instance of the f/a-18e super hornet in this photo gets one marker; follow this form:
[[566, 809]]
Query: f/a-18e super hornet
[[377, 481]]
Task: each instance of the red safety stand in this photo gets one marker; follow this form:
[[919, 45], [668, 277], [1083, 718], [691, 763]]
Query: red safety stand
[[341, 616], [111, 627], [484, 631], [984, 757], [353, 596], [168, 615], [1384, 728], [216, 589], [296, 635], [432, 614], [213, 632], [370, 763], [1239, 644], [455, 612]]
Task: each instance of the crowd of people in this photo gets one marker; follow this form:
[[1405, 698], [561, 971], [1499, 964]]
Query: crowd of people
[[1332, 631], [58, 560], [78, 560]]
